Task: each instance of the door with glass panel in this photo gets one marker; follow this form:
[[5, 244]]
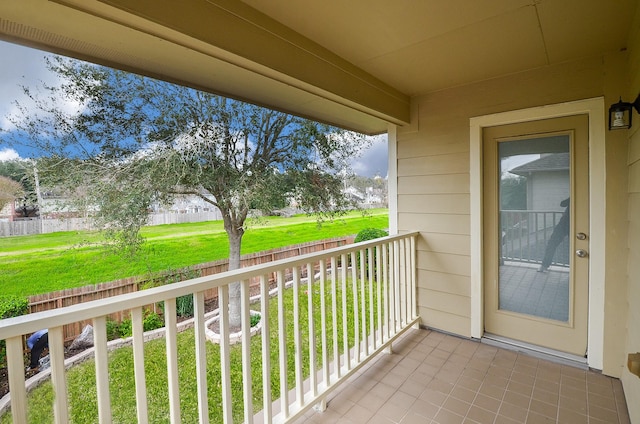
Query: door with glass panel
[[536, 241]]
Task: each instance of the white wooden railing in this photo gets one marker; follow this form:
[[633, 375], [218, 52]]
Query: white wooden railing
[[378, 277]]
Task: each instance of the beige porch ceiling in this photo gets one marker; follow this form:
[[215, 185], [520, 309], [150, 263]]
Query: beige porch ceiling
[[352, 63]]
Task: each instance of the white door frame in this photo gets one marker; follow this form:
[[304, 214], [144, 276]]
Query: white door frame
[[596, 110]]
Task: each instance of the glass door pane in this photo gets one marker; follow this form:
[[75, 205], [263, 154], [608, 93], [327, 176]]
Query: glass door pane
[[534, 225]]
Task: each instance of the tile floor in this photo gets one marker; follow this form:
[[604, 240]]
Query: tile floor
[[436, 378]]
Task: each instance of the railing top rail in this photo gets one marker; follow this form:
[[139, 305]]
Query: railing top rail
[[18, 326]]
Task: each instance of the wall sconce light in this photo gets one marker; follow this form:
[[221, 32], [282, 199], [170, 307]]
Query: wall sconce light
[[620, 114]]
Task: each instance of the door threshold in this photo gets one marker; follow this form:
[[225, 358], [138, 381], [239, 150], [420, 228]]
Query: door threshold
[[535, 351]]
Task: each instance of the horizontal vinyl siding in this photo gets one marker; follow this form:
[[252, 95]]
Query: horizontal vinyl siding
[[452, 163], [434, 184], [435, 203], [457, 244], [444, 282], [444, 302], [444, 321], [444, 262], [434, 223], [446, 145]]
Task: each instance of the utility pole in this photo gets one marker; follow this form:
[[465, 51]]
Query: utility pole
[[38, 194]]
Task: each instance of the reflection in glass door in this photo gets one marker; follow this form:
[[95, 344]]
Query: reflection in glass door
[[534, 225]]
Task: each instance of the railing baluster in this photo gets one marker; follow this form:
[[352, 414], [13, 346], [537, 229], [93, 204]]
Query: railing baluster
[[171, 334], [313, 376], [406, 282], [323, 322], [356, 307], [266, 349], [225, 367], [102, 369], [370, 271], [345, 327], [414, 288], [401, 283], [282, 354], [362, 263], [201, 356], [138, 368], [385, 282], [247, 387], [396, 286], [378, 268], [297, 337], [15, 362], [58, 376], [334, 318]]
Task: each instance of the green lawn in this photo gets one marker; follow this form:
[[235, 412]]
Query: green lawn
[[49, 262]]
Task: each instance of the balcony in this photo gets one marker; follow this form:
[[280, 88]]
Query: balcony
[[379, 368]]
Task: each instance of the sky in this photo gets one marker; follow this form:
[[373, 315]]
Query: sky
[[23, 66]]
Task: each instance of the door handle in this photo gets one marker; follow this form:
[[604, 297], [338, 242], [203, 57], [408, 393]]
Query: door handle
[[581, 253]]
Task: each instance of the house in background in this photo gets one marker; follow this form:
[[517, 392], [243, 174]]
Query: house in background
[[547, 181], [450, 82]]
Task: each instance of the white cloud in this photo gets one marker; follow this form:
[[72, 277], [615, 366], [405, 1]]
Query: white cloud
[[8, 154], [374, 160], [20, 66], [23, 66]]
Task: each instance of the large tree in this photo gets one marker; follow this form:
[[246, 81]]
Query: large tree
[[23, 173], [10, 190], [122, 142]]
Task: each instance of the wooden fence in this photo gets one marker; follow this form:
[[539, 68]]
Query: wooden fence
[[62, 298]]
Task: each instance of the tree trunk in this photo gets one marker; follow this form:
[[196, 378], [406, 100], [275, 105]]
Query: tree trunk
[[235, 241]]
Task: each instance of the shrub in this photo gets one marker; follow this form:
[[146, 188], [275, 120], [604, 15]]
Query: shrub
[[152, 321], [184, 305], [11, 306], [255, 319], [364, 235], [113, 329], [369, 234], [126, 328]]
